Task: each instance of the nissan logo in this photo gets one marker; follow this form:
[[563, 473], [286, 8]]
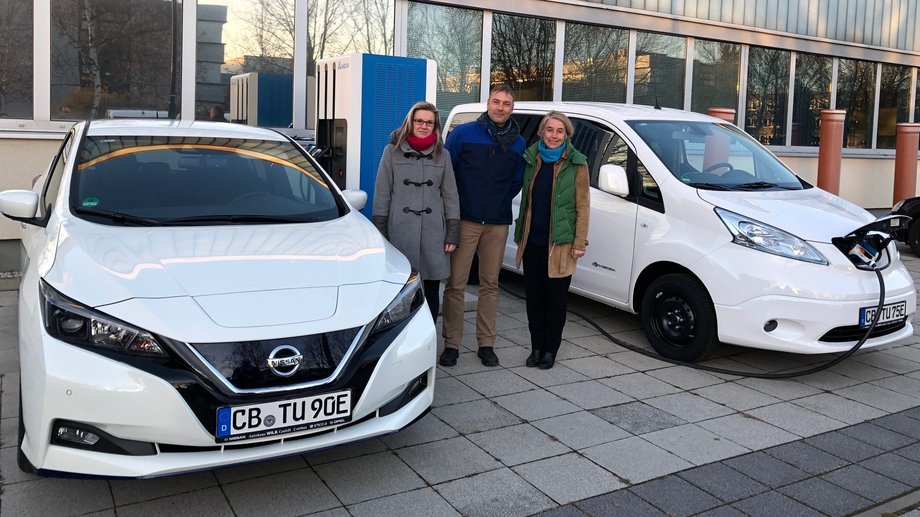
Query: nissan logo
[[284, 360]]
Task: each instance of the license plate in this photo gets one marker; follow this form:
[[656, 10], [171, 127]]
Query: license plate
[[283, 416], [890, 312]]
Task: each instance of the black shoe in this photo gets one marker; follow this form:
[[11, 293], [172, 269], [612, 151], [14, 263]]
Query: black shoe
[[487, 354], [549, 359], [449, 357], [534, 358]]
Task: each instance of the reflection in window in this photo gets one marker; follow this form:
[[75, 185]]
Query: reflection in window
[[522, 55], [15, 59], [660, 70], [856, 95], [595, 62], [453, 38], [811, 95], [716, 75], [115, 58], [893, 103], [767, 95]]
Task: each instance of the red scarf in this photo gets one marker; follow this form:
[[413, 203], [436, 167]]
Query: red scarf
[[421, 144]]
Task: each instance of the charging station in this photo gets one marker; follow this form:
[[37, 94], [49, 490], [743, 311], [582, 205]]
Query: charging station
[[361, 100]]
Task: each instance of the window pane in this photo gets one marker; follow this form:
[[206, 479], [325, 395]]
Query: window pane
[[594, 66], [453, 38], [115, 58], [660, 70], [716, 73], [15, 59], [522, 56], [856, 95], [811, 95], [767, 95], [893, 104]]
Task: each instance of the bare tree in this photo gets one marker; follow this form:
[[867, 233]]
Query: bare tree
[[595, 63], [15, 55], [522, 55]]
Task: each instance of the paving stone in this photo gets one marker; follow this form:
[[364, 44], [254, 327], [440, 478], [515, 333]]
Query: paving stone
[[827, 381], [590, 394], [638, 417], [9, 429], [878, 436], [518, 444], [429, 429], [675, 496], [886, 361], [468, 362], [901, 384], [911, 452], [825, 497], [555, 376], [418, 503], [635, 460], [290, 493], [573, 330], [843, 446], [568, 510], [475, 416], [499, 492], [895, 467], [635, 360], [335, 512], [913, 413], [580, 430], [343, 452], [722, 511], [787, 389], [860, 371], [724, 482], [747, 432], [839, 408], [806, 457], [210, 502], [695, 444], [766, 469], [134, 491], [879, 397], [866, 483], [689, 407], [449, 459], [621, 503], [495, 382], [569, 350], [368, 477], [9, 469], [640, 385], [736, 396], [771, 504], [55, 496], [685, 378], [536, 404], [260, 468], [568, 478], [900, 424], [451, 391], [597, 367], [796, 419]]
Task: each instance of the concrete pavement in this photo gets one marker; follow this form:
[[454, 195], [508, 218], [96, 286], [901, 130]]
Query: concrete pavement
[[605, 432]]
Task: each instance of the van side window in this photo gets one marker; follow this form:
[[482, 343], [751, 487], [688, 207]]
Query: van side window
[[528, 124], [643, 187], [55, 175]]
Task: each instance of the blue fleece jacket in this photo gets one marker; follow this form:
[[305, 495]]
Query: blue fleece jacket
[[488, 177]]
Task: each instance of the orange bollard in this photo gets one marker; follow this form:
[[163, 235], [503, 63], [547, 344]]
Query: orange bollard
[[905, 161], [717, 144], [830, 150]]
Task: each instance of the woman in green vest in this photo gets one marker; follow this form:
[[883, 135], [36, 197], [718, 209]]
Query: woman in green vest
[[551, 232]]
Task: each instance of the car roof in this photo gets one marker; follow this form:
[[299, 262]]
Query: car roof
[[603, 110], [197, 128]]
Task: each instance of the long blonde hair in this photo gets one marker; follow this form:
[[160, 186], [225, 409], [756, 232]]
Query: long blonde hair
[[406, 129]]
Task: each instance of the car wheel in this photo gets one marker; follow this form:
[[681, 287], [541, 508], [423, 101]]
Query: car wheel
[[678, 318], [913, 236], [24, 464]]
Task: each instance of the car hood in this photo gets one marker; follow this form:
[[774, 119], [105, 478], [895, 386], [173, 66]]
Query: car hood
[[811, 214], [99, 265]]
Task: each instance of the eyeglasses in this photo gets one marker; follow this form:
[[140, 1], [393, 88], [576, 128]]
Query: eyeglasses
[[423, 123]]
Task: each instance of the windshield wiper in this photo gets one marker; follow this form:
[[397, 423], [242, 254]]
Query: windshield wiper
[[710, 186], [760, 185], [233, 218], [118, 217]]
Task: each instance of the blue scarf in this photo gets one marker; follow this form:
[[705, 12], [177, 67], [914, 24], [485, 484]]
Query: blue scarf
[[550, 155]]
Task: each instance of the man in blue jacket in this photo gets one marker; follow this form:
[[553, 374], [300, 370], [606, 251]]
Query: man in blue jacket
[[489, 168]]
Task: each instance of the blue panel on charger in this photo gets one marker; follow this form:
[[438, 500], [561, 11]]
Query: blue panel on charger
[[391, 85], [276, 100]]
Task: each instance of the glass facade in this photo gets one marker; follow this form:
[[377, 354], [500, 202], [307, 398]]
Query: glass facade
[[811, 94], [856, 95], [716, 75], [523, 51], [660, 70], [893, 104], [594, 64], [767, 95], [15, 59], [453, 38]]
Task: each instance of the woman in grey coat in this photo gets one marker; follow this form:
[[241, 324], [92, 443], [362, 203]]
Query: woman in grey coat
[[416, 206]]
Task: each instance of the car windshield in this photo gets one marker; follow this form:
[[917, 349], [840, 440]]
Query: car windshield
[[160, 181], [715, 156]]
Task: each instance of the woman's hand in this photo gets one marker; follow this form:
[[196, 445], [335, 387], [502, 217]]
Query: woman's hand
[[577, 254], [449, 248]]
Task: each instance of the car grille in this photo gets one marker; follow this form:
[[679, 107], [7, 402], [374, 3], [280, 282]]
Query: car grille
[[855, 332]]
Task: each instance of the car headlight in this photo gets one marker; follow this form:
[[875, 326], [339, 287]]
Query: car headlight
[[409, 299], [71, 322], [754, 234]]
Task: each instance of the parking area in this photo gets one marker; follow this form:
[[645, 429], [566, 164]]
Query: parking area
[[605, 432]]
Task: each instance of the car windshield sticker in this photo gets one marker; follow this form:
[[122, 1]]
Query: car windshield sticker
[[90, 202]]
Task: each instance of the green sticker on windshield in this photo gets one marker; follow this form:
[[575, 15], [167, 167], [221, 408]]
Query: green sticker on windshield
[[90, 202]]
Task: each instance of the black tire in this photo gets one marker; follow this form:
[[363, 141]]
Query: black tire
[[678, 318], [913, 236], [24, 464]]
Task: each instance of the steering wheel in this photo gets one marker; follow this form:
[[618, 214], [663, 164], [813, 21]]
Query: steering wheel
[[247, 195], [720, 165]]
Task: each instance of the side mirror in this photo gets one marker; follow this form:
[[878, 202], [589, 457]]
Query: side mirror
[[20, 205], [612, 179], [356, 198]]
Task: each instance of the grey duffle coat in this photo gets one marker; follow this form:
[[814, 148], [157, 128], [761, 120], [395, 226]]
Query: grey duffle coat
[[417, 208]]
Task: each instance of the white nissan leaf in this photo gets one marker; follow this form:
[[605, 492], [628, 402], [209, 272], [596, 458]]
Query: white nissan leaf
[[198, 294]]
